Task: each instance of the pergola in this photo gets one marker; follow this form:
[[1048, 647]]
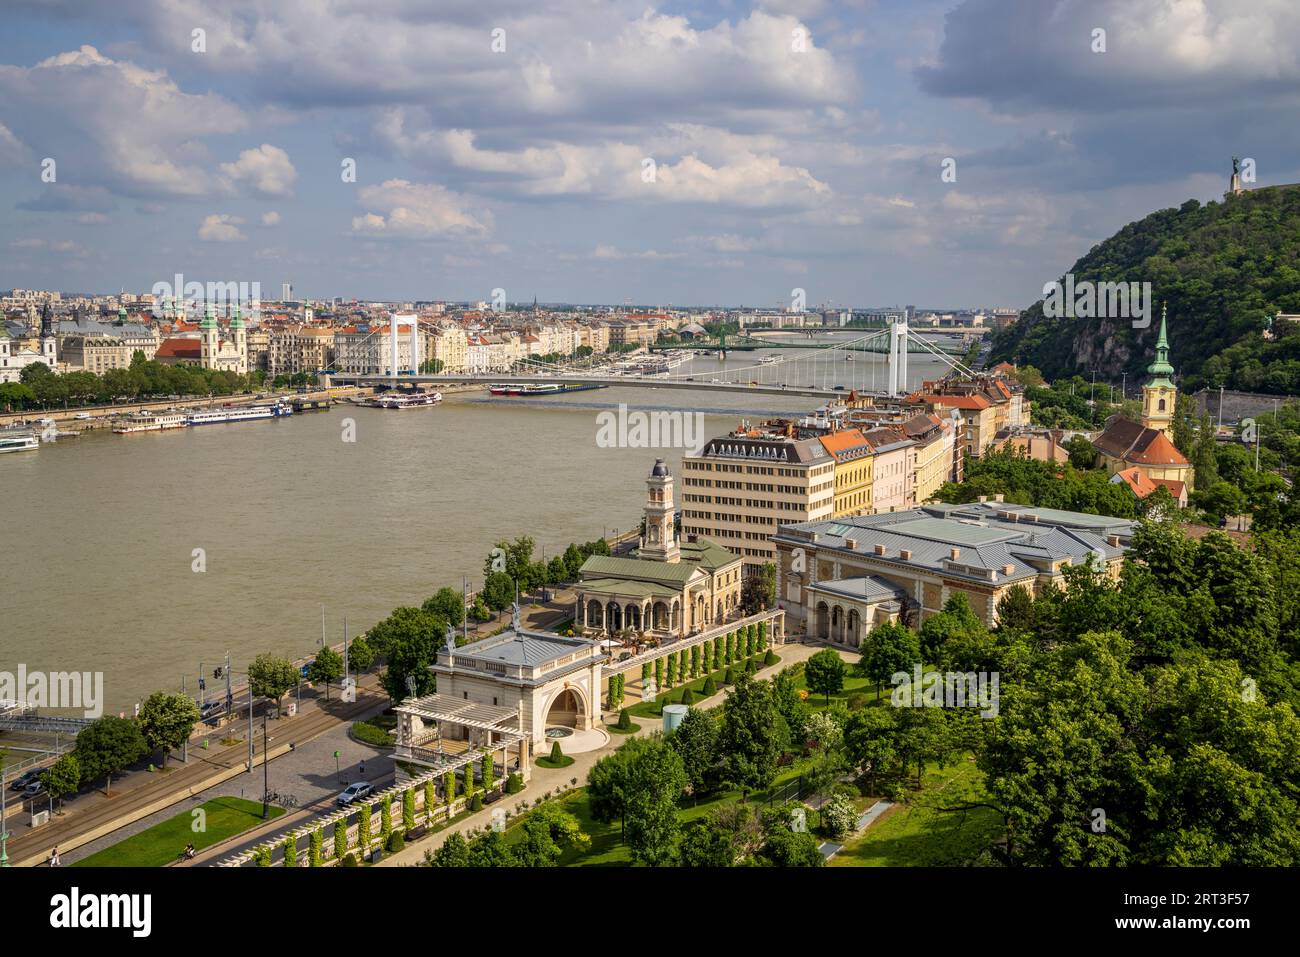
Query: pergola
[[492, 723], [491, 728]]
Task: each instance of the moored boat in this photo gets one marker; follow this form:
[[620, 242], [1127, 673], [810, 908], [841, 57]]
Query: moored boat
[[150, 422], [19, 442], [411, 400], [241, 414]]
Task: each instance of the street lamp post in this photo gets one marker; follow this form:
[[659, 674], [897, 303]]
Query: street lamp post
[[266, 772]]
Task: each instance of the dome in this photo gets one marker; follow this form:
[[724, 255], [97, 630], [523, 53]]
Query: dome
[[660, 470]]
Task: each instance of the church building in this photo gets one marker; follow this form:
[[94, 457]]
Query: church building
[[1144, 454], [228, 354]]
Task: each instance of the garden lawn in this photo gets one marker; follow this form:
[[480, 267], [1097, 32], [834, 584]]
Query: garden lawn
[[922, 834], [654, 709], [164, 842]]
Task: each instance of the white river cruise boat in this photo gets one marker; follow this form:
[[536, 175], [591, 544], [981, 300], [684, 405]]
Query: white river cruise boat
[[413, 400], [20, 442], [150, 422], [245, 413]]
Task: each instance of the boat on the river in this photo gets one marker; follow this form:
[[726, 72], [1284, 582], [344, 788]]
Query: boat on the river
[[408, 400], [146, 421], [246, 413], [19, 442]]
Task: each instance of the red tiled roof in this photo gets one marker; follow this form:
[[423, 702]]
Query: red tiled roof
[[179, 349], [846, 440], [977, 402]]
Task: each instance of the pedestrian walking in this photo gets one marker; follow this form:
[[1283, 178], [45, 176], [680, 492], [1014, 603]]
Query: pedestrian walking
[[54, 858], [363, 768]]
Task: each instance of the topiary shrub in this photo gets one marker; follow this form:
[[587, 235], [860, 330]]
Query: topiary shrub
[[395, 842], [514, 783], [688, 697], [262, 856], [770, 659], [728, 678], [349, 860], [476, 802], [315, 841], [290, 852], [710, 687], [624, 721], [340, 837], [556, 753]]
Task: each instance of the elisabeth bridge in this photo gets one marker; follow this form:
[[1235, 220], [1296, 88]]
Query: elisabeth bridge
[[818, 371]]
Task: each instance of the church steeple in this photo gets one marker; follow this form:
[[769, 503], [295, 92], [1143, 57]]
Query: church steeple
[[1160, 395]]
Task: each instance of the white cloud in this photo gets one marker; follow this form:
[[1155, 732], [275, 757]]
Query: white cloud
[[266, 170], [114, 124], [221, 228], [418, 211], [271, 219]]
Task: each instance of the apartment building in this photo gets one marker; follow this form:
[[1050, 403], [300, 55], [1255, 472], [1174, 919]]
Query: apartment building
[[300, 348], [934, 458], [449, 344], [744, 486], [891, 480], [854, 470]]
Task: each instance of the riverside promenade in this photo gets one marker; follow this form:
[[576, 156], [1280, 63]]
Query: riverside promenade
[[137, 795]]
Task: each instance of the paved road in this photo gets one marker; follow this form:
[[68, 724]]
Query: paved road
[[92, 815]]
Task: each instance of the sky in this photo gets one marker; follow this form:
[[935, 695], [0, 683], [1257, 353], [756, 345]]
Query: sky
[[867, 152]]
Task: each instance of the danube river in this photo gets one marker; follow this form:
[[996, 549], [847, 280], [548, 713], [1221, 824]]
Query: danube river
[[101, 531]]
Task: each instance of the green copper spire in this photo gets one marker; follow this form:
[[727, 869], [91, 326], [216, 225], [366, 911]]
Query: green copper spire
[[209, 319], [236, 322], [121, 312], [1161, 368]]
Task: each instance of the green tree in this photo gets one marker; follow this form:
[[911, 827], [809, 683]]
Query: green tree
[[327, 667], [547, 833], [491, 850], [166, 721], [782, 845], [107, 746], [704, 845], [656, 780], [869, 741], [696, 741], [824, 673], [499, 591], [360, 655], [758, 591], [751, 736], [888, 649], [447, 604], [271, 676], [63, 777], [453, 852]]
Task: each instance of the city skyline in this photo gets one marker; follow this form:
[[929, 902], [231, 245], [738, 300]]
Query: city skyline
[[508, 148]]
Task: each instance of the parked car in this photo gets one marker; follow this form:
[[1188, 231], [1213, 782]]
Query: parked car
[[82, 415], [354, 791], [33, 789], [24, 779]]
